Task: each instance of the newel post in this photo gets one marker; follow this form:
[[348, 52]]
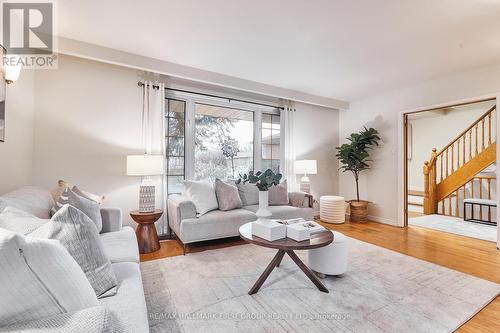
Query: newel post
[[427, 207], [433, 182]]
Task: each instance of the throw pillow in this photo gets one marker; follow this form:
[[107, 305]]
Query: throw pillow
[[249, 194], [202, 194], [61, 200], [19, 221], [91, 196], [87, 206], [39, 279], [227, 195], [31, 199], [278, 195], [62, 186], [79, 235], [58, 191]]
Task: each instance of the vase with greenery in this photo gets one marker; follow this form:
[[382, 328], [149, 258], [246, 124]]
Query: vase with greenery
[[264, 181], [354, 157]]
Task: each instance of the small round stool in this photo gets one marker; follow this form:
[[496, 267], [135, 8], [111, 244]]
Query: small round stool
[[331, 259], [332, 209]]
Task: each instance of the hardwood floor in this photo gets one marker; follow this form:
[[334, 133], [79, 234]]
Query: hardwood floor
[[472, 256]]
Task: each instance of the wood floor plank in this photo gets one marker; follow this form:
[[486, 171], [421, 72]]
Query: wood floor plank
[[468, 255]]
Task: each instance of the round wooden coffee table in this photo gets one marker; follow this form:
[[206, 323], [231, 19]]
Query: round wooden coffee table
[[287, 245]]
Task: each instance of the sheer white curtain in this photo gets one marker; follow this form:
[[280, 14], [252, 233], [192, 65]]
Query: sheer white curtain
[[153, 138], [287, 117]]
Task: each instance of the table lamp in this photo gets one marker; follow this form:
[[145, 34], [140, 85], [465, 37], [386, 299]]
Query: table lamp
[[305, 167], [145, 166]]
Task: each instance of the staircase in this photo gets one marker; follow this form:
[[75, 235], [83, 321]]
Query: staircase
[[455, 172]]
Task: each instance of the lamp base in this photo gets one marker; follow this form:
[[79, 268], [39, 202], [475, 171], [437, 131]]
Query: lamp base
[[147, 198], [305, 185]]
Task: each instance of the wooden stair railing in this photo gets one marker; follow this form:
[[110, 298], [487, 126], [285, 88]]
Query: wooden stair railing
[[460, 161], [480, 187]]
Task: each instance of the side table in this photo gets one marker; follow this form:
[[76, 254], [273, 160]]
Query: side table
[[147, 238]]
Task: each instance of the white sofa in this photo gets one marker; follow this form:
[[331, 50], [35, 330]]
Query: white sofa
[[127, 309], [217, 224]]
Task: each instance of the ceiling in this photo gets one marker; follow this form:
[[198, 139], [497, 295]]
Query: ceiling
[[346, 49]]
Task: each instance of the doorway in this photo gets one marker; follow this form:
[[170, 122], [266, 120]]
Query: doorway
[[450, 169]]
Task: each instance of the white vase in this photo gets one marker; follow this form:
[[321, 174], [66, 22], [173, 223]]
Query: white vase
[[263, 212]]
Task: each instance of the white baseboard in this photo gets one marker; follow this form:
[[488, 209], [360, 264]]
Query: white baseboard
[[384, 220], [378, 219]]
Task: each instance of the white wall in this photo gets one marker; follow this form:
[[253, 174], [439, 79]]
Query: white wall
[[88, 118], [380, 185], [16, 153], [317, 135]]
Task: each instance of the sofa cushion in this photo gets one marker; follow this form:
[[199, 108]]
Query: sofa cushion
[[128, 306], [215, 224], [96, 319], [285, 212], [121, 246], [19, 221], [78, 234], [227, 195], [249, 193], [278, 195], [33, 200], [202, 194], [38, 279]]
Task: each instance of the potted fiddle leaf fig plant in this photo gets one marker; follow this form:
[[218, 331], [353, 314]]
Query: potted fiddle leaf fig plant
[[264, 181], [354, 158]]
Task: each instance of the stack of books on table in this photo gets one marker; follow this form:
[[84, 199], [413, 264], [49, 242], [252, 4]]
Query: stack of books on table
[[297, 229]]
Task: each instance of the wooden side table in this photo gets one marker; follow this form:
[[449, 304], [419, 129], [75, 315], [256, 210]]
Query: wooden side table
[[147, 238]]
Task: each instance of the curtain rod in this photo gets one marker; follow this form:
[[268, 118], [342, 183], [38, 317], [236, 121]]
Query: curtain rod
[[141, 84]]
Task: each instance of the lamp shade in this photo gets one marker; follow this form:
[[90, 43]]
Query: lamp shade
[[144, 165], [305, 167]]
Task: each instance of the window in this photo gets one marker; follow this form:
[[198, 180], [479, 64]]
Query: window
[[209, 137], [270, 142], [175, 135], [223, 142]]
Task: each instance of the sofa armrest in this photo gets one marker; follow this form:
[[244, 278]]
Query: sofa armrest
[[300, 199], [111, 219], [96, 319], [179, 208]]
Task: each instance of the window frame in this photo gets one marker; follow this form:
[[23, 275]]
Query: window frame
[[191, 99], [272, 130], [167, 136]]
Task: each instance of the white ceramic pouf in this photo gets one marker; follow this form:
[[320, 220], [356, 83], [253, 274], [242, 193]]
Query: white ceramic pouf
[[332, 209], [331, 259]]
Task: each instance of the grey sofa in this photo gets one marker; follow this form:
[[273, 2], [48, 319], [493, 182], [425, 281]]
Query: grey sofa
[[217, 224], [126, 311]]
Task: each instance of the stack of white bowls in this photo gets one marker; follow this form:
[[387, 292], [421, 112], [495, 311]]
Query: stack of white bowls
[[332, 209]]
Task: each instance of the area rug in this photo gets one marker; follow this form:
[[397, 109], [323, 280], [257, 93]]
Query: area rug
[[456, 226], [383, 291]]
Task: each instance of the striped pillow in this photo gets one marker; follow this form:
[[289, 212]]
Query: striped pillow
[[79, 235], [62, 200]]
